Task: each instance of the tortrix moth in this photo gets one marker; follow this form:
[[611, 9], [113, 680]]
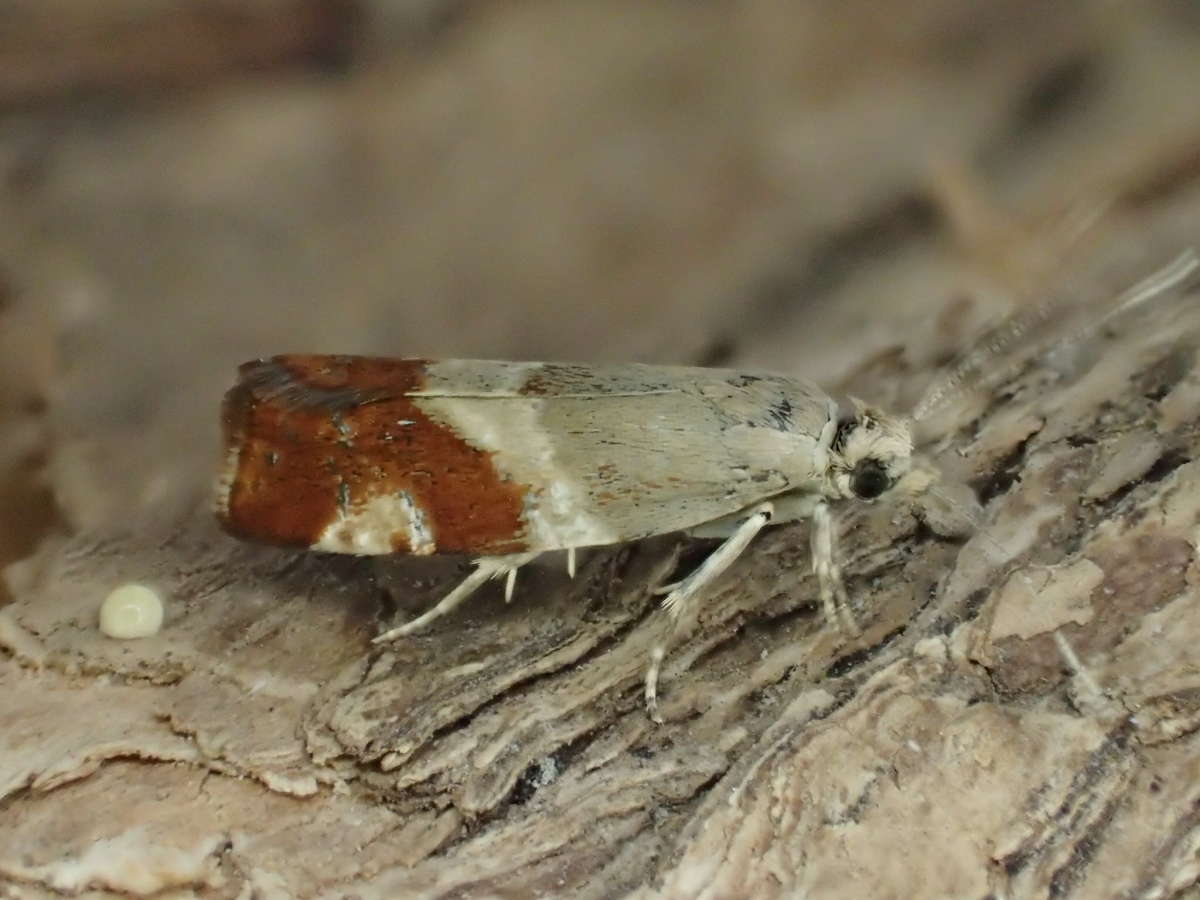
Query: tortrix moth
[[504, 460]]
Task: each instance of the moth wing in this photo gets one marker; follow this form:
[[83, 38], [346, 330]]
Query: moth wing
[[363, 455], [617, 452]]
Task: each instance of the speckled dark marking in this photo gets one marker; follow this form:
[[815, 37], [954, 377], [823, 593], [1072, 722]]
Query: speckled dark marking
[[316, 431], [572, 379], [555, 378], [779, 415]]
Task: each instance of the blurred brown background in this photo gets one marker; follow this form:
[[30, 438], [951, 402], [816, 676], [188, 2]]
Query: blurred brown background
[[187, 184]]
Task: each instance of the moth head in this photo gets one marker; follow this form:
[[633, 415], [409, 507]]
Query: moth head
[[872, 451]]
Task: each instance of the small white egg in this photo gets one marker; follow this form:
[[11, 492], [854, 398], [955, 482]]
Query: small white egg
[[131, 611]]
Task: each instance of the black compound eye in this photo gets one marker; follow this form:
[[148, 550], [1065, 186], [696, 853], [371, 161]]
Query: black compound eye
[[869, 479]]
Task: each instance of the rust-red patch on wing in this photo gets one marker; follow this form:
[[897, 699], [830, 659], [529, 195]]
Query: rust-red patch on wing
[[317, 434]]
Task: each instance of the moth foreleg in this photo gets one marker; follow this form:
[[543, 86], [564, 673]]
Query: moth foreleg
[[487, 568], [685, 592], [835, 602]]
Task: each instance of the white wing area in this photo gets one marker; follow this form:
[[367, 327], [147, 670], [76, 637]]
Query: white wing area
[[614, 453]]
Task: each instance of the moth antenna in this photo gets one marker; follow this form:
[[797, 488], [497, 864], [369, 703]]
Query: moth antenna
[[1160, 282], [969, 373]]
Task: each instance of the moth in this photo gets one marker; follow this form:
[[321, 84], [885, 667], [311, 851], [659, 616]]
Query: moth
[[504, 461]]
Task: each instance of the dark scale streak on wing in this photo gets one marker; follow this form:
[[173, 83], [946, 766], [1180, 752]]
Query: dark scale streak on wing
[[558, 379], [272, 382], [780, 414], [745, 380]]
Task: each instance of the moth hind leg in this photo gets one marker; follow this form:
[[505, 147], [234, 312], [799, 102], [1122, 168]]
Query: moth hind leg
[[486, 568], [683, 593]]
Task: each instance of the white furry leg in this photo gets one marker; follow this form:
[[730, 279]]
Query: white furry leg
[[486, 568], [684, 592], [834, 601]]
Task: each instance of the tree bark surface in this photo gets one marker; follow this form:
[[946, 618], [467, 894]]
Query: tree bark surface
[[1017, 719]]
